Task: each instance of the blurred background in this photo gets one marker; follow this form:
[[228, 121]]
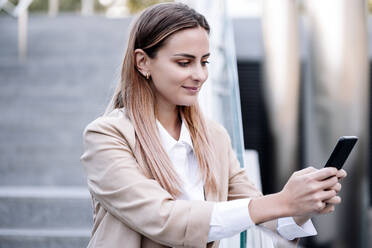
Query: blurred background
[[287, 78]]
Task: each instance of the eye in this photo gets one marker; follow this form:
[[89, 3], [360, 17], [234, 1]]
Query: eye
[[204, 63], [183, 63]]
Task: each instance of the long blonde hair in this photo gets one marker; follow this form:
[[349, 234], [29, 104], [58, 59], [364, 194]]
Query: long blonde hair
[[136, 94]]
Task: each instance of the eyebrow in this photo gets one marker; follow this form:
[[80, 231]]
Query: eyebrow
[[190, 56]]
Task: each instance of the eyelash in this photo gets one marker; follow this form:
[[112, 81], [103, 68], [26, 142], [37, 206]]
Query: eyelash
[[184, 64]]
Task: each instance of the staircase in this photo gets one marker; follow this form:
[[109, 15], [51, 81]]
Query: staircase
[[66, 81]]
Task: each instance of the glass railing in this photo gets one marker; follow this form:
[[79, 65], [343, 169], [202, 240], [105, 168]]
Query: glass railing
[[220, 100]]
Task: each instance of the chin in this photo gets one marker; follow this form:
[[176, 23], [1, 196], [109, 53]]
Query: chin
[[188, 103]]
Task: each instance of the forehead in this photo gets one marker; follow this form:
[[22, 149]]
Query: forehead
[[193, 41]]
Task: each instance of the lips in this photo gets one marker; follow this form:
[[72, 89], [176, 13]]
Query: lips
[[191, 88]]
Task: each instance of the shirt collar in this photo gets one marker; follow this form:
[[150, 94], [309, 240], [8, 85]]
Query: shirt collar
[[169, 142]]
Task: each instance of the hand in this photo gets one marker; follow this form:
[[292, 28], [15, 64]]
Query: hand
[[305, 194], [300, 220], [341, 174], [330, 203], [307, 191]]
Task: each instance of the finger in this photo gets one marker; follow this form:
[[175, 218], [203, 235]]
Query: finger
[[324, 173], [325, 195], [334, 200], [328, 209], [337, 187], [307, 170], [320, 206], [328, 183], [341, 174]]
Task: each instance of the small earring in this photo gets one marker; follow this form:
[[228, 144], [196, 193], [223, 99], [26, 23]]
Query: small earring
[[147, 75]]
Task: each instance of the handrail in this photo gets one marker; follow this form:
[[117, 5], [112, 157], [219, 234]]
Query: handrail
[[7, 6], [15, 10], [19, 11], [21, 7]]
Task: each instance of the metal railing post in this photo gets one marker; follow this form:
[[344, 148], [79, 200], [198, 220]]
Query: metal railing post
[[22, 34], [53, 8], [87, 7]]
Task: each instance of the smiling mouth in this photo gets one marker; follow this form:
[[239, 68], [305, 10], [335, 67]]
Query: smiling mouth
[[191, 88]]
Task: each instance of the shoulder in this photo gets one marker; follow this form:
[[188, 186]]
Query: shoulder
[[113, 124], [114, 119], [217, 132]]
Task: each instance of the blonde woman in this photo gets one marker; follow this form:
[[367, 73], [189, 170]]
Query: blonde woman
[[160, 175]]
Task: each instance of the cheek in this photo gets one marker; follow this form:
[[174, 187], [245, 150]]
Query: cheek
[[170, 75], [167, 83]]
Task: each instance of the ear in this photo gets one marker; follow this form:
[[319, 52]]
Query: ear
[[142, 61]]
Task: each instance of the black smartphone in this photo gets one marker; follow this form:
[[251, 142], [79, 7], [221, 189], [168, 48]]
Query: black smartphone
[[341, 152]]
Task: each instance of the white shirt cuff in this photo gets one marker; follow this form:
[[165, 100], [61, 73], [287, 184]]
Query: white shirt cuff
[[229, 218], [289, 229]]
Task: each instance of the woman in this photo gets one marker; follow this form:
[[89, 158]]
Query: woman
[[159, 173]]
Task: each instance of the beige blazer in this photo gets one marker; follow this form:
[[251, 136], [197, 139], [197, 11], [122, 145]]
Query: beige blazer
[[131, 210]]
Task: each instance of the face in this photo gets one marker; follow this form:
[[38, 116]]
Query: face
[[179, 68]]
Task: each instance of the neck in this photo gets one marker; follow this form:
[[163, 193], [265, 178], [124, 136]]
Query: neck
[[169, 118]]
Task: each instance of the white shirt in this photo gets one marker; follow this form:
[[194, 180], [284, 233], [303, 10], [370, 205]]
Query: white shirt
[[230, 217]]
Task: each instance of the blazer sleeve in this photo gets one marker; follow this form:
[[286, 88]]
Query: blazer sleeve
[[115, 180]]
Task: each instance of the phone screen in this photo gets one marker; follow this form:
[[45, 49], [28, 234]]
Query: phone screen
[[341, 152]]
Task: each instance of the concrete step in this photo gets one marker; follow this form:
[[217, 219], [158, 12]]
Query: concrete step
[[34, 166], [68, 33], [45, 238], [45, 208], [47, 100], [38, 164]]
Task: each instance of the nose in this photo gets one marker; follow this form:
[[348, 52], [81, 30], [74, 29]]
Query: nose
[[199, 73]]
